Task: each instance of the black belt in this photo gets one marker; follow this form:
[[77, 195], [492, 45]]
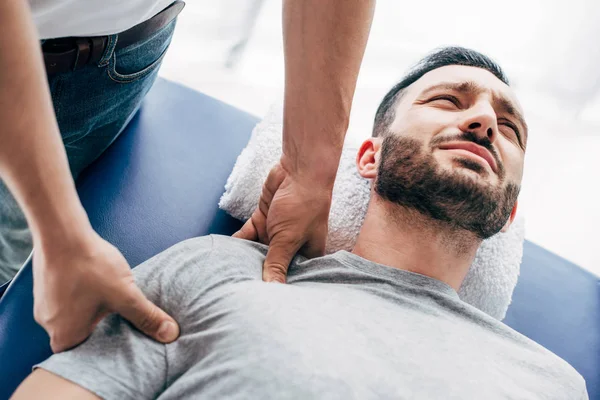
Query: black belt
[[69, 54]]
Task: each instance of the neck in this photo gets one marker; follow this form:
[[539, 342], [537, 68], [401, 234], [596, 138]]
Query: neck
[[403, 238]]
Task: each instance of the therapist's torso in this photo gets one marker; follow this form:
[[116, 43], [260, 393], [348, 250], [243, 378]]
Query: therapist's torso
[[64, 18]]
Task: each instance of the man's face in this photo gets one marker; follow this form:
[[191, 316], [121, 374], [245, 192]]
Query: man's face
[[455, 149]]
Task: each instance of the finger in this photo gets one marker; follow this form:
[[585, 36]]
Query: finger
[[259, 220], [256, 227], [146, 316], [69, 334], [97, 320], [278, 259], [274, 179], [267, 193], [265, 200], [248, 231], [62, 341], [315, 246]]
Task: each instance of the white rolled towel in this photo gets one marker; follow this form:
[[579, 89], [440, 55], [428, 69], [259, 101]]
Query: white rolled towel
[[492, 277]]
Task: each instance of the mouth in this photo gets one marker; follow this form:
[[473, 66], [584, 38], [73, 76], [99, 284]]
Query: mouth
[[472, 151]]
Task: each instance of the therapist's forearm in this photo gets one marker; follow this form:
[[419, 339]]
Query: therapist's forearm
[[324, 43], [33, 161]]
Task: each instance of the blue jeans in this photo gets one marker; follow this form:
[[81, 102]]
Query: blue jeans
[[92, 106]]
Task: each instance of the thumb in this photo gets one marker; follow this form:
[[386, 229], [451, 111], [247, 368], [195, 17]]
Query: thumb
[[315, 246], [278, 259], [146, 316]]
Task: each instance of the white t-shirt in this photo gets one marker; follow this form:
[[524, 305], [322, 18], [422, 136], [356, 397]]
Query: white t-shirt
[[63, 18]]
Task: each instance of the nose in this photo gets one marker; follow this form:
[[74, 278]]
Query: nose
[[481, 120]]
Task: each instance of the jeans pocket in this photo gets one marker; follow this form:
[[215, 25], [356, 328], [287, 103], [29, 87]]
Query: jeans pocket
[[140, 59]]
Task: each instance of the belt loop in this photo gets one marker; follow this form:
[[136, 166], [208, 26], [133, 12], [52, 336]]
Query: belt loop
[[108, 52], [83, 53], [98, 46]]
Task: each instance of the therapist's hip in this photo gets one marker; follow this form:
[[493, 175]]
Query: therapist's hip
[[93, 104], [68, 54]]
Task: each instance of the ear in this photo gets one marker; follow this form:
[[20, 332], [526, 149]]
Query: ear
[[367, 159], [513, 214]]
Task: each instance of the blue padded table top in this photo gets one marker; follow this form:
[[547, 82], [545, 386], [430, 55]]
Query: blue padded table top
[[160, 183]]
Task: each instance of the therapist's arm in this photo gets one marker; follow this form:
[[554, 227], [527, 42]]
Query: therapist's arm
[[78, 277], [324, 43]]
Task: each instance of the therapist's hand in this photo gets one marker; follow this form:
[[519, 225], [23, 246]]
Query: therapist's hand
[[292, 215], [324, 42], [77, 284]]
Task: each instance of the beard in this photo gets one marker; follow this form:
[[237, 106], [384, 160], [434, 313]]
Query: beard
[[412, 178]]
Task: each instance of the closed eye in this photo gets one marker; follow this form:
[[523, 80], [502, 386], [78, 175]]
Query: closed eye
[[514, 129], [448, 98]]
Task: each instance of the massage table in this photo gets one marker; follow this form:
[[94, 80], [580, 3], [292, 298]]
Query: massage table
[[159, 183]]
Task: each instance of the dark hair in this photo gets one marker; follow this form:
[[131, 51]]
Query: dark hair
[[437, 59]]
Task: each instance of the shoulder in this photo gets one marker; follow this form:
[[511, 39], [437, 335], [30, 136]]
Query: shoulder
[[560, 374], [230, 247], [206, 268], [196, 263], [174, 259], [572, 381], [202, 255], [226, 255], [171, 271], [239, 258]]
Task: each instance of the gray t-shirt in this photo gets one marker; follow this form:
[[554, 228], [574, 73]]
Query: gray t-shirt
[[343, 327]]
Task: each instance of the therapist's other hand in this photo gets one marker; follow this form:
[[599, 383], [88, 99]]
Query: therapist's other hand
[[291, 216], [78, 284]]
